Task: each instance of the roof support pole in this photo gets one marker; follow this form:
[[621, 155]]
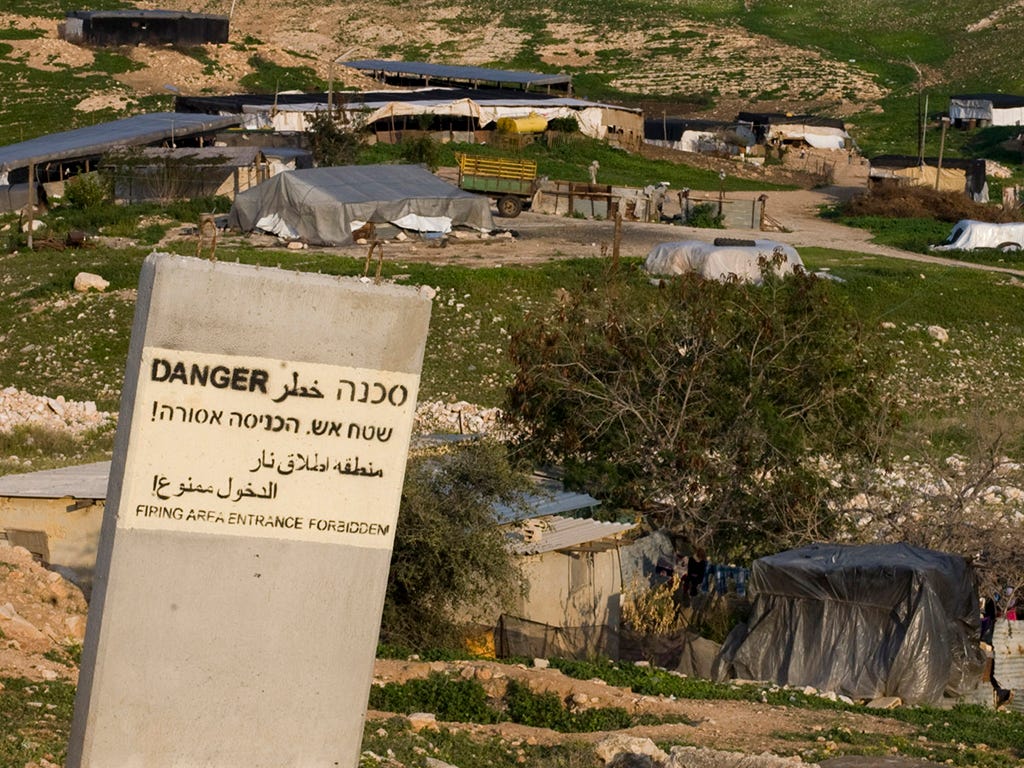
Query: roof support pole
[[31, 202]]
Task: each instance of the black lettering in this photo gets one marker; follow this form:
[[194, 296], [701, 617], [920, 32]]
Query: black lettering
[[178, 374], [258, 380], [199, 374], [161, 369], [240, 379], [220, 377]]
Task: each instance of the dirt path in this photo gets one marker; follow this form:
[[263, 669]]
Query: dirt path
[[728, 725]]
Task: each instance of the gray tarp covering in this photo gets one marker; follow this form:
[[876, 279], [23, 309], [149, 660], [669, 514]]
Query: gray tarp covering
[[320, 205], [867, 621]]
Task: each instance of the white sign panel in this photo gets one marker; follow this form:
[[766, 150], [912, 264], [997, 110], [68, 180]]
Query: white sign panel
[[250, 446]]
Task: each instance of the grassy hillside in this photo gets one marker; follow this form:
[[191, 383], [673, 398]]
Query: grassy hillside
[[871, 61]]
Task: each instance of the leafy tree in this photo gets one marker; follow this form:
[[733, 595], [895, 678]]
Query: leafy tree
[[450, 563], [714, 407], [333, 144]]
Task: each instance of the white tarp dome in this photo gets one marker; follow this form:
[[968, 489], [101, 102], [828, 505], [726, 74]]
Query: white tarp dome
[[818, 136], [968, 234], [719, 262], [323, 206]]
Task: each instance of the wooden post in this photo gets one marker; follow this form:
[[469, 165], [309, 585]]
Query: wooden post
[[31, 202], [616, 241], [942, 146]]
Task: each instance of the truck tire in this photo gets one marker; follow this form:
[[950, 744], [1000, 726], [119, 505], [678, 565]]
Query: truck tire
[[1008, 247], [736, 241], [509, 207]]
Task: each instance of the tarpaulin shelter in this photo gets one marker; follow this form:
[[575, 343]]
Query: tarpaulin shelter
[[720, 261], [984, 109], [324, 206], [968, 234], [814, 130], [863, 621]]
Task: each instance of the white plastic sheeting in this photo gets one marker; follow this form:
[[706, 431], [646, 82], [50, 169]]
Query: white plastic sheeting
[[719, 262], [968, 234], [984, 109], [818, 136], [590, 116]]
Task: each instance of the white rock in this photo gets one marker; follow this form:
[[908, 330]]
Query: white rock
[[296, 245], [612, 746], [85, 281], [938, 333], [541, 663]]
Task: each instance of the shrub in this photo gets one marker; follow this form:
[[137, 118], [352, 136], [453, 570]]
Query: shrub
[[451, 699], [564, 124], [422, 150], [705, 215], [651, 610], [87, 190]]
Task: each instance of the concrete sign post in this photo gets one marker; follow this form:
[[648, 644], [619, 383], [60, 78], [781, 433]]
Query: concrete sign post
[[253, 498]]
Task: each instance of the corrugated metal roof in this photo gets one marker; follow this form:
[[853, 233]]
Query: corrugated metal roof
[[552, 502], [95, 140], [457, 72], [554, 533], [86, 481]]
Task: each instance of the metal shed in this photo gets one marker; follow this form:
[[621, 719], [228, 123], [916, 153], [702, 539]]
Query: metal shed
[[141, 27]]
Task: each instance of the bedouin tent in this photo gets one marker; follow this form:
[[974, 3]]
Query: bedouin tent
[[863, 621], [324, 206], [720, 261]]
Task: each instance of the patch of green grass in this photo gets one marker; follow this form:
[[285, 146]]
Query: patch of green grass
[[35, 720], [454, 699], [57, 8], [18, 33], [450, 699], [112, 62], [69, 654], [270, 77], [384, 738]]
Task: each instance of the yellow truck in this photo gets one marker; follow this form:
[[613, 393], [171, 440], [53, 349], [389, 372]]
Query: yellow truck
[[511, 182]]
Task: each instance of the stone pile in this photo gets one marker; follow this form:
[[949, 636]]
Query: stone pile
[[21, 408], [460, 418]]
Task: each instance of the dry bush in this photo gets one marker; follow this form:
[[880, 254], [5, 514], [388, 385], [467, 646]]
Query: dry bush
[[904, 202], [651, 610]]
